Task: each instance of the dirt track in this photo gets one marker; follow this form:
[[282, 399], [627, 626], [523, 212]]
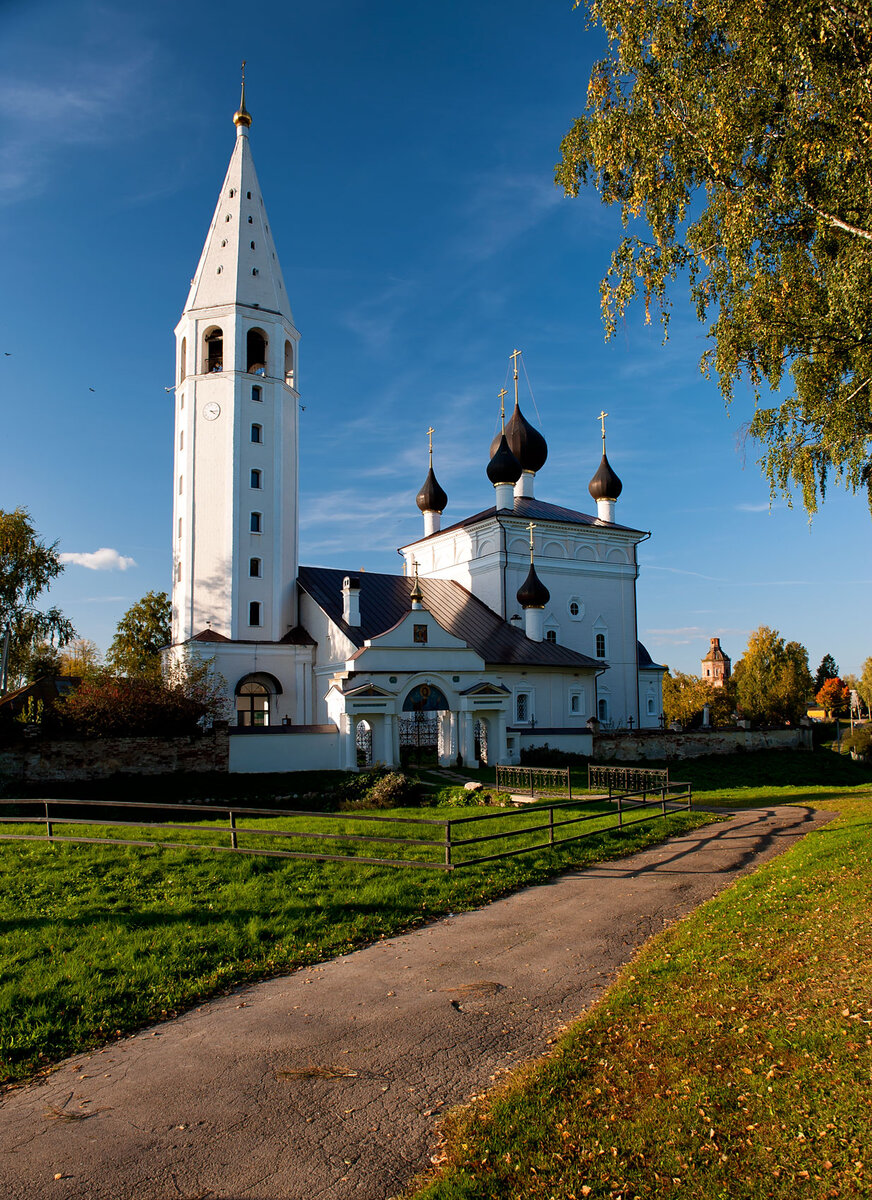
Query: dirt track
[[329, 1082]]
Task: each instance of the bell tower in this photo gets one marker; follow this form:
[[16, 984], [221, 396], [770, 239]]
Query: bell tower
[[235, 520]]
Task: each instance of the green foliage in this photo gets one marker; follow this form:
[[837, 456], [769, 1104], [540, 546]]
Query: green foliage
[[864, 687], [143, 630], [833, 697], [27, 568], [741, 135], [827, 670], [81, 658], [460, 797], [380, 789], [32, 712], [685, 696], [39, 660], [772, 679]]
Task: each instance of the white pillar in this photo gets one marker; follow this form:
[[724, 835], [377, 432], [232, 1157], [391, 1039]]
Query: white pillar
[[505, 495], [605, 510], [524, 486], [444, 747], [468, 744], [501, 754], [349, 733], [535, 622], [432, 523], [387, 754]]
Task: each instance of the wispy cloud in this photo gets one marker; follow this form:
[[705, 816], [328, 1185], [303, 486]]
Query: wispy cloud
[[755, 508], [501, 208], [104, 559], [375, 319], [80, 95]]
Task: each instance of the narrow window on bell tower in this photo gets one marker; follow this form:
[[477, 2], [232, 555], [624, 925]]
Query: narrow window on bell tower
[[213, 351], [256, 345], [289, 364]]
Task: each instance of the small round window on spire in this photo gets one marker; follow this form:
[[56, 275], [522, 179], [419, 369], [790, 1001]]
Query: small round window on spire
[[253, 270]]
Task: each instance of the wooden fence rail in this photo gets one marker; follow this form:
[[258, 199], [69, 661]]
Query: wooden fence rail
[[447, 851]]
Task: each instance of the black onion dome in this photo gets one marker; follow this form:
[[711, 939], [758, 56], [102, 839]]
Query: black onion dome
[[526, 443], [533, 593], [503, 466], [605, 485], [431, 498]]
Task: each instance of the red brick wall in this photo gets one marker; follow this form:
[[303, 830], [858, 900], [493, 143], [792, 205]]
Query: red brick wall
[[37, 760]]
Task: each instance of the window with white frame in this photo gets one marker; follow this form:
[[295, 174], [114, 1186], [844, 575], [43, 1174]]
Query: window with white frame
[[576, 702], [522, 707], [551, 635], [600, 639], [651, 709], [575, 607], [256, 523], [602, 709]]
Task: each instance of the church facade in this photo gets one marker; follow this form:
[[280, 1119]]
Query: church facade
[[514, 626]]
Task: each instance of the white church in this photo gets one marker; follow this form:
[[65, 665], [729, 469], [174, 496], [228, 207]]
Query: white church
[[512, 627]]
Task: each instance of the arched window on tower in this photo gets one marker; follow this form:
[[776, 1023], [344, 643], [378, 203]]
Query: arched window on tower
[[183, 352], [213, 351], [289, 364], [255, 351]]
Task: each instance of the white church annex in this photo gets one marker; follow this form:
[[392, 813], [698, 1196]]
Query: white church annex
[[512, 627]]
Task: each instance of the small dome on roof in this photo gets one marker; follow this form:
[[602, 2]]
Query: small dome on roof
[[503, 466], [526, 443], [533, 593], [431, 498], [605, 484]]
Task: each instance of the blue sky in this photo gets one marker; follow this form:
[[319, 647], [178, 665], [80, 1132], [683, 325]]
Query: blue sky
[[406, 156]]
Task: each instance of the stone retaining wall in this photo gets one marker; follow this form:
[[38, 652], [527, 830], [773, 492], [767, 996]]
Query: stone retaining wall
[[36, 760], [630, 747]]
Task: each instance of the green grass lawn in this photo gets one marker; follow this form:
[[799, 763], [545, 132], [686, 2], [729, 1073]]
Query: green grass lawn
[[96, 941], [731, 1059]]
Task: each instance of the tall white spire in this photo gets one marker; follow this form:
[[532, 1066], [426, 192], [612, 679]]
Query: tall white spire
[[239, 264]]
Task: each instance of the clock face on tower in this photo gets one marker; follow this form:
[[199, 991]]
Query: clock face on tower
[[211, 410]]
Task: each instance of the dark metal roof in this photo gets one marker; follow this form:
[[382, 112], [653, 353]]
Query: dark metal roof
[[526, 443], [385, 600], [294, 637], [644, 659], [530, 509]]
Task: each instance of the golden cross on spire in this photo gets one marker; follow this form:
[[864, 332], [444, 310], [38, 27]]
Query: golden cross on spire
[[430, 433], [242, 116], [503, 393], [602, 420], [531, 527]]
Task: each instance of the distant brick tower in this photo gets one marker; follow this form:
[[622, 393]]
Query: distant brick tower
[[715, 667]]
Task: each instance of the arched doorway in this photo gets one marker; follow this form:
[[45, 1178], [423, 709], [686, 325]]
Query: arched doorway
[[480, 734], [255, 699], [363, 741], [419, 725]]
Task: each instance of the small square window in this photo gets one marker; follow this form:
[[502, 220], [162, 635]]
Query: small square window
[[256, 519], [420, 634], [257, 433], [254, 568], [551, 635], [256, 478], [257, 394]]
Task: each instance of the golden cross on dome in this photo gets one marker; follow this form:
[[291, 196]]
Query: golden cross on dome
[[514, 356], [602, 420], [430, 433], [502, 395], [531, 527]]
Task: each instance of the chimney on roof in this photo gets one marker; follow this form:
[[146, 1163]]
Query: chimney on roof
[[351, 601]]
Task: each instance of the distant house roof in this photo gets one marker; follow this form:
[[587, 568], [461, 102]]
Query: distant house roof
[[47, 689], [531, 509], [384, 601], [294, 637]]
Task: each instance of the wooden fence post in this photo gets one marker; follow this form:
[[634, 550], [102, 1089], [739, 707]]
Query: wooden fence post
[[233, 843], [448, 844], [48, 828], [551, 825]]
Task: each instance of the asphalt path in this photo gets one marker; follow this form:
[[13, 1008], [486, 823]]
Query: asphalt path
[[330, 1081]]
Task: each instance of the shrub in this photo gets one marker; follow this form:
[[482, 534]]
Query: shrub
[[177, 704], [378, 789], [460, 797], [545, 756]]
